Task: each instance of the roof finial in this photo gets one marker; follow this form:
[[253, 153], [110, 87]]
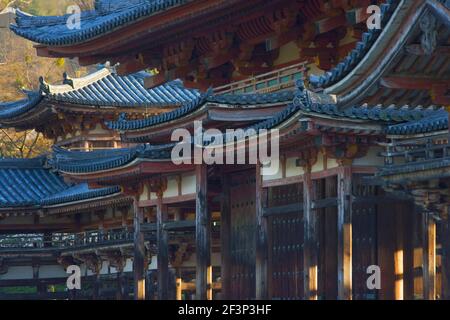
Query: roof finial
[[44, 86], [111, 68], [68, 80]]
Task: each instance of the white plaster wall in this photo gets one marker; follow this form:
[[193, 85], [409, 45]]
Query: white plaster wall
[[292, 169], [188, 184], [144, 195], [318, 166], [371, 158], [172, 188]]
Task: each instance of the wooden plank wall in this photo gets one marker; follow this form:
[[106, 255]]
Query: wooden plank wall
[[364, 220], [286, 243], [243, 246]]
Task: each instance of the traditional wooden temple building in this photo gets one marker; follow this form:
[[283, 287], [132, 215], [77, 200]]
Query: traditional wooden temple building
[[362, 131]]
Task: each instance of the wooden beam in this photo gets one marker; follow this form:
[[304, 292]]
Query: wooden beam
[[310, 259], [344, 233], [261, 240], [429, 257], [203, 235], [411, 82], [139, 252], [225, 236], [162, 240]]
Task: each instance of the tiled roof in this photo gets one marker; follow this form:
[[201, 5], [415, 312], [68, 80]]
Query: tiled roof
[[124, 124], [253, 98], [27, 183], [231, 99], [391, 115], [13, 109], [106, 88], [86, 162], [103, 88], [78, 193], [356, 55], [436, 122], [108, 16]]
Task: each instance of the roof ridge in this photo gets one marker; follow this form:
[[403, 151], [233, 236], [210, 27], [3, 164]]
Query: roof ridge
[[72, 84]]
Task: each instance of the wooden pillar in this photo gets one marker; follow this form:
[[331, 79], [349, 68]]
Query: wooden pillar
[[429, 257], [445, 240], [261, 241], [121, 285], [163, 250], [178, 284], [344, 229], [398, 256], [310, 261], [139, 253], [203, 235], [225, 237]]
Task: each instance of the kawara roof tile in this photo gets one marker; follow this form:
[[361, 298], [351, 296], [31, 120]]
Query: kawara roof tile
[[103, 88], [356, 55], [29, 183], [434, 123], [107, 16]]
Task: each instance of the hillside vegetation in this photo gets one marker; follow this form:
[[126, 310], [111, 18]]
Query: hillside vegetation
[[20, 68]]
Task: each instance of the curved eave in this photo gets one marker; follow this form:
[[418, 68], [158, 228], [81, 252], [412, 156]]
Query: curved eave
[[81, 201], [44, 30], [137, 169], [378, 58], [388, 49]]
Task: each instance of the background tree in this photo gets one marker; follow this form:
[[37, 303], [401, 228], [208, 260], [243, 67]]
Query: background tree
[[20, 68]]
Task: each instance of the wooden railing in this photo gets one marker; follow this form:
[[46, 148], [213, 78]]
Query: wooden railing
[[417, 153], [268, 82], [94, 238], [65, 240]]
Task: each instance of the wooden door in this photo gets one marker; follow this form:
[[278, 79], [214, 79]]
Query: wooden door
[[285, 242], [243, 226]]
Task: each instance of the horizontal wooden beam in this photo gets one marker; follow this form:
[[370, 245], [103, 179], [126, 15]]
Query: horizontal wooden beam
[[324, 203], [289, 208], [411, 82]]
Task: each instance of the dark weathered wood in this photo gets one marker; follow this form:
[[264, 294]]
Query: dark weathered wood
[[330, 244], [203, 235], [310, 233], [344, 234], [261, 240], [162, 240], [324, 203], [445, 240], [429, 257], [283, 209], [139, 253], [225, 237]]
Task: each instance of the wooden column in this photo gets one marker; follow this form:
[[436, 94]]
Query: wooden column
[[310, 260], [399, 255], [261, 241], [178, 292], [203, 236], [163, 250], [429, 257], [139, 253], [344, 233], [445, 240], [225, 237]]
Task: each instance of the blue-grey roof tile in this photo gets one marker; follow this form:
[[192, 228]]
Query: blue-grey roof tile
[[107, 17], [28, 183], [356, 55], [433, 123]]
